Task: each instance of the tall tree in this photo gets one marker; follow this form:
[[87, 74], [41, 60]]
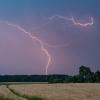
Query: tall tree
[[86, 74], [97, 76]]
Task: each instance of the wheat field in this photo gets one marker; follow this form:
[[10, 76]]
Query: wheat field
[[72, 91], [4, 92]]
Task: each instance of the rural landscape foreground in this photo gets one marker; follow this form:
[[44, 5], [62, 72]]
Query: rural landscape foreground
[[83, 86], [59, 91]]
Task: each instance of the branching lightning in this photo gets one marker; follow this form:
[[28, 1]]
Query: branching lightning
[[43, 44], [38, 40], [83, 24], [72, 19]]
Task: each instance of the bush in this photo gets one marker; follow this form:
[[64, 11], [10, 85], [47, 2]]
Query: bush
[[33, 97], [5, 98]]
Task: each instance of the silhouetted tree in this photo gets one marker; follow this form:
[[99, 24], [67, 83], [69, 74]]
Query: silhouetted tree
[[86, 74], [68, 79], [97, 76], [56, 78]]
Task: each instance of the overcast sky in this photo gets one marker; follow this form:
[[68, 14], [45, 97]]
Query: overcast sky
[[19, 54]]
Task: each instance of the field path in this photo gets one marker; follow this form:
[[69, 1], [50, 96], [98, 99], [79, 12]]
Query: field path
[[5, 92], [17, 95]]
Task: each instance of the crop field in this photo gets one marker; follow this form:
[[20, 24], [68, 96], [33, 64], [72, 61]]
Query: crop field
[[71, 91]]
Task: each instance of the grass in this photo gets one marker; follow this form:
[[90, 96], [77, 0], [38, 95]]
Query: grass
[[5, 94], [24, 96], [72, 91], [5, 98], [33, 97]]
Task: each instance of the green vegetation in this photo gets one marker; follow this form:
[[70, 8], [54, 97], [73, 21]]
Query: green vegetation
[[33, 97], [5, 98], [85, 76]]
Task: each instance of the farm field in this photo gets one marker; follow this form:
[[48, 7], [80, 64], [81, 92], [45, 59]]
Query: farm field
[[5, 93], [71, 91]]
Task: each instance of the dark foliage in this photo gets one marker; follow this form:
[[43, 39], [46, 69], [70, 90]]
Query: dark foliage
[[85, 76], [23, 78], [97, 76]]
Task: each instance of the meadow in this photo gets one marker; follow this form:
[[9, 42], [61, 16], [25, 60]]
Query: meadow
[[71, 91]]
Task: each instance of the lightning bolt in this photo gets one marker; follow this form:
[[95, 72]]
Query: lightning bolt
[[66, 19], [83, 24], [72, 19], [43, 49], [43, 44]]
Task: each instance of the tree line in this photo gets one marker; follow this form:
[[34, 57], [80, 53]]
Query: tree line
[[85, 75]]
